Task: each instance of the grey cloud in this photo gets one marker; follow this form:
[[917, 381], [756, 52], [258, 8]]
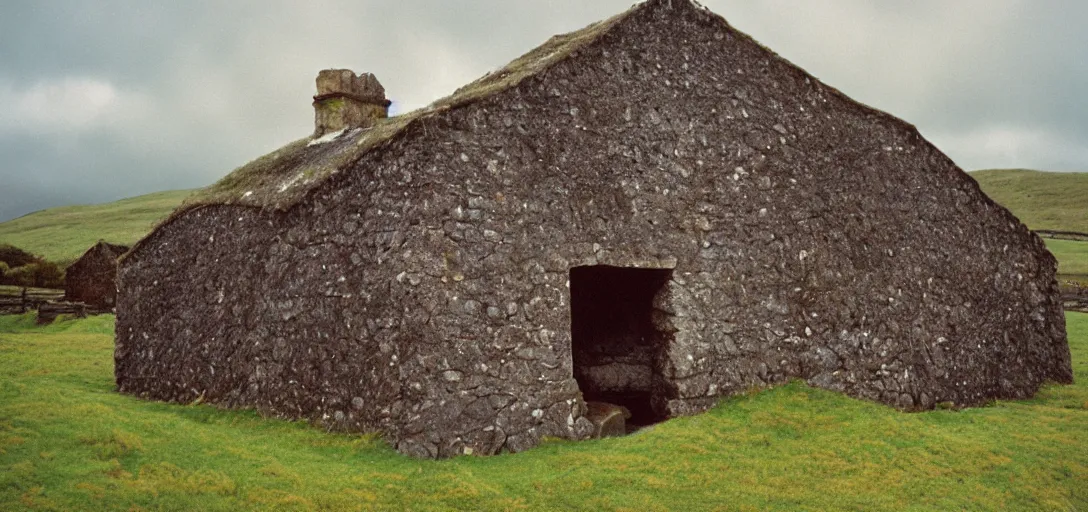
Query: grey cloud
[[203, 87]]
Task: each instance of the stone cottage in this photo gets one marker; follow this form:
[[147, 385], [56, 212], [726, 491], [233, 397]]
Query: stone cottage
[[652, 212], [92, 279]]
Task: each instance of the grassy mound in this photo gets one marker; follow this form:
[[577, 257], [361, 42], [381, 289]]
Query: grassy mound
[[68, 441]]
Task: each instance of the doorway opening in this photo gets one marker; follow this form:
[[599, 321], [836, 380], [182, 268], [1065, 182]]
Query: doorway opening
[[617, 350]]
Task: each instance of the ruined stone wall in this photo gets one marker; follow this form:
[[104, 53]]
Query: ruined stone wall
[[425, 293]]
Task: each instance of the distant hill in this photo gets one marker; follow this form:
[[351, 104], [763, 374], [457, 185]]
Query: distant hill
[[62, 234], [1042, 200]]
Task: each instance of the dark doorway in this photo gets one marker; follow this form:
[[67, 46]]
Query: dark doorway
[[617, 350]]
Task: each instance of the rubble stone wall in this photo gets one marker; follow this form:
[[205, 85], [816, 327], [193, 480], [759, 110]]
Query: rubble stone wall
[[92, 279], [425, 293]]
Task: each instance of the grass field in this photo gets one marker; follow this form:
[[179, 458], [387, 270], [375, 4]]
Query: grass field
[[69, 442], [1042, 200], [1072, 256], [63, 234]]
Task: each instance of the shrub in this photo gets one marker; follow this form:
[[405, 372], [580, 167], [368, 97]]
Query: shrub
[[41, 274], [20, 268], [19, 276], [15, 257], [47, 274]]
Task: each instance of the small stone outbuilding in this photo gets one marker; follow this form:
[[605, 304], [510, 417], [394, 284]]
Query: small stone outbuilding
[[92, 279], [654, 212]]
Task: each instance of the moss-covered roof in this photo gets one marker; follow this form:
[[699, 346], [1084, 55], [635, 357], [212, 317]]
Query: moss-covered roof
[[280, 179]]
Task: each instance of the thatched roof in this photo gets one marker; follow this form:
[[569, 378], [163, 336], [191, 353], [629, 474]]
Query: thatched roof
[[282, 178]]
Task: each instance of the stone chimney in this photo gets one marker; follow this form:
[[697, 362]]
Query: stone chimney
[[345, 100]]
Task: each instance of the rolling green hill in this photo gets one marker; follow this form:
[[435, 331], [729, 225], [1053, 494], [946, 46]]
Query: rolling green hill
[[1042, 200], [62, 234]]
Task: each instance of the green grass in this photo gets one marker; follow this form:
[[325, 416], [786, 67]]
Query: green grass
[[1072, 256], [63, 234], [69, 442], [1042, 200]]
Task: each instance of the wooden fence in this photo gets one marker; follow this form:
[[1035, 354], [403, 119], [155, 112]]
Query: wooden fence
[[1062, 235], [17, 300], [47, 302], [1075, 297]]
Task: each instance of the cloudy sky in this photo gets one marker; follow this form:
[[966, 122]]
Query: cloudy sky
[[109, 99]]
